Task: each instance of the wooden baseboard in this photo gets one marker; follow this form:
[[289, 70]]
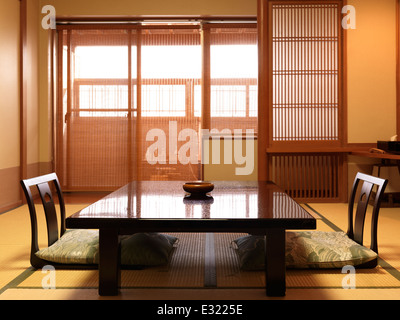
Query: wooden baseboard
[[10, 206], [10, 190], [11, 195]]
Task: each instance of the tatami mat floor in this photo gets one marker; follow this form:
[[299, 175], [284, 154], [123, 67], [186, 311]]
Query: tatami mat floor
[[15, 267]]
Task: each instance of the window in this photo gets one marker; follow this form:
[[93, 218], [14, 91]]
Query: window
[[120, 82], [163, 100], [234, 73], [176, 67]]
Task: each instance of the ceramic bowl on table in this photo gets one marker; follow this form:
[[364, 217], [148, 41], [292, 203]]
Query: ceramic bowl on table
[[198, 189]]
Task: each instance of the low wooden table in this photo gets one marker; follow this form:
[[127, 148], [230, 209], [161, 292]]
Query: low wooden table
[[161, 206]]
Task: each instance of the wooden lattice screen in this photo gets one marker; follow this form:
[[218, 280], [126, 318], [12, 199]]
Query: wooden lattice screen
[[308, 177], [305, 63], [305, 108]]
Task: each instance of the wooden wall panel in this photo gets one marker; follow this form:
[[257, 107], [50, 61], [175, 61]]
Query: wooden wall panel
[[309, 177]]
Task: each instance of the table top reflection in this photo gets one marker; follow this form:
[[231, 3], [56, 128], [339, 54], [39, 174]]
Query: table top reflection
[[166, 200]]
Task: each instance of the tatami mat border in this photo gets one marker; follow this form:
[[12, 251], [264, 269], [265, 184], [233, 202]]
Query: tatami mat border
[[14, 284]]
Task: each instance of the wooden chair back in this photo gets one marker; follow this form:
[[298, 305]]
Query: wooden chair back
[[44, 184], [356, 222]]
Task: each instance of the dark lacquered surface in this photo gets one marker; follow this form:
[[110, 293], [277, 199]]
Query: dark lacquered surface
[[252, 207], [247, 204]]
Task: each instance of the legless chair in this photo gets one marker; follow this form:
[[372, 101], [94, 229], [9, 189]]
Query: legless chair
[[43, 184], [317, 249], [320, 249], [78, 248]]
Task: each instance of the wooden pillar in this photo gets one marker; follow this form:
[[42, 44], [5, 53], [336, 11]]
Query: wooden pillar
[[23, 89], [205, 78], [205, 85], [263, 89]]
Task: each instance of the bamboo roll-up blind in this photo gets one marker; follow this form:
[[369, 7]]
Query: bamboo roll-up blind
[[170, 70], [233, 73], [96, 143], [117, 90], [130, 101], [305, 71]]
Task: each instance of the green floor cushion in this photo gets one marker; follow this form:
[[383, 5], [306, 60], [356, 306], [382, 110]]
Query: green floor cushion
[[146, 249], [250, 250], [81, 246], [74, 247], [306, 249], [318, 249]]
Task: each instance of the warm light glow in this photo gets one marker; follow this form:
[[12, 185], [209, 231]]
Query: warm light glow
[[166, 62], [160, 62]]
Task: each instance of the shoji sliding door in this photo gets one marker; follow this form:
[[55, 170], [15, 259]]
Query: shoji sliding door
[[306, 72], [305, 100]]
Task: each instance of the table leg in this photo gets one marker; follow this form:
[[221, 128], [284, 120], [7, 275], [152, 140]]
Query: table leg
[[275, 268], [109, 262]]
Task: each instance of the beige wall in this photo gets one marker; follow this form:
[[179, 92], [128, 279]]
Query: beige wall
[[10, 189], [371, 53], [9, 84], [226, 169], [9, 104]]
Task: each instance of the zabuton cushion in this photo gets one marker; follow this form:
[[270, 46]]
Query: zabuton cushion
[[318, 249], [146, 249], [306, 249], [81, 246]]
